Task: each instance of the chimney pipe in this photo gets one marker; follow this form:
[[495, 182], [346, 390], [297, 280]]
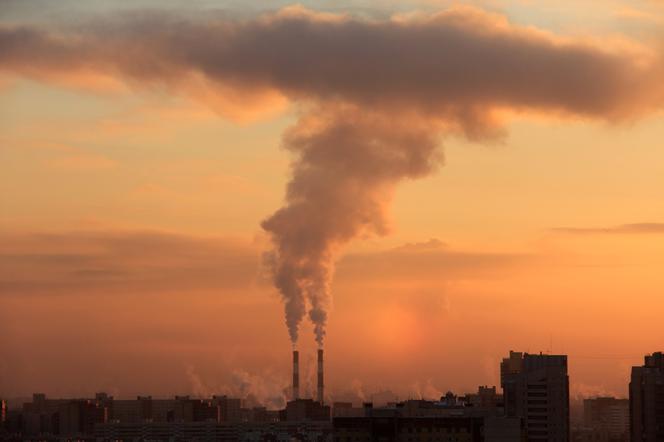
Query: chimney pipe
[[296, 375], [320, 376]]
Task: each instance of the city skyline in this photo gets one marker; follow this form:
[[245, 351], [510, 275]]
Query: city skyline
[[532, 405], [191, 191]]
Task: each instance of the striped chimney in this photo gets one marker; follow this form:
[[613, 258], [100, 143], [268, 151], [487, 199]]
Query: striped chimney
[[296, 375], [320, 376]]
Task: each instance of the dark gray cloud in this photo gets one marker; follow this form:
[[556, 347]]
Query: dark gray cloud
[[456, 64]]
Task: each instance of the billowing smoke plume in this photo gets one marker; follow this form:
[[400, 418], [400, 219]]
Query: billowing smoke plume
[[348, 161], [374, 95]]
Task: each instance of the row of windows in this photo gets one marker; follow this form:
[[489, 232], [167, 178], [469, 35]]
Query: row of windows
[[537, 401], [411, 430], [410, 439], [432, 430], [537, 418]]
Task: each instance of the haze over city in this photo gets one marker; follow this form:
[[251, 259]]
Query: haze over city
[[191, 190]]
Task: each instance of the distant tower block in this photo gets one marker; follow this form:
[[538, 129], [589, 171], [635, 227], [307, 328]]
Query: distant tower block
[[320, 376], [296, 374]]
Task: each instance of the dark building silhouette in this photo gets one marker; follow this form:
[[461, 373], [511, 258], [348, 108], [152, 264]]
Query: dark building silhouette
[[646, 400], [61, 417], [346, 409], [230, 409], [397, 428], [452, 418], [306, 410], [486, 397], [181, 409], [605, 419], [536, 389]]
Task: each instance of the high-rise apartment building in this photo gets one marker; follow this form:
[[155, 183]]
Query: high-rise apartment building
[[646, 400], [536, 389]]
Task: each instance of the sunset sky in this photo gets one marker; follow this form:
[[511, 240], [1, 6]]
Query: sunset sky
[[487, 176]]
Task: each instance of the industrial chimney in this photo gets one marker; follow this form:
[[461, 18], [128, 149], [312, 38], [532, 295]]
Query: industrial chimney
[[296, 375], [320, 376]]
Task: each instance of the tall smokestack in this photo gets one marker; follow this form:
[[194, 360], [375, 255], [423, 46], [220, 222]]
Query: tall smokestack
[[296, 374], [320, 375]]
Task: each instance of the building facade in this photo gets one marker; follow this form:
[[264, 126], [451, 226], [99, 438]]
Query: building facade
[[536, 389]]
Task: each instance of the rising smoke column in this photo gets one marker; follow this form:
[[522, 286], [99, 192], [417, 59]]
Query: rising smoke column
[[348, 161]]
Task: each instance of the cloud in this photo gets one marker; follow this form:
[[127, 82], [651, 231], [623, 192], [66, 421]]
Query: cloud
[[80, 262], [457, 65], [624, 229], [432, 244], [122, 262], [427, 261]]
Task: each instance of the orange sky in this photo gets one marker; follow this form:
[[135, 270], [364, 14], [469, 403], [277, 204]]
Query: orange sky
[[131, 244]]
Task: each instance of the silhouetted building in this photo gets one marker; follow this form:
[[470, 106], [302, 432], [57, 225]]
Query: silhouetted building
[[61, 417], [346, 409], [181, 409], [133, 410], [607, 419], [397, 428], [179, 419], [230, 409], [262, 415], [536, 389], [486, 398], [315, 431], [165, 431], [646, 400], [13, 427], [449, 419], [307, 410], [214, 431]]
